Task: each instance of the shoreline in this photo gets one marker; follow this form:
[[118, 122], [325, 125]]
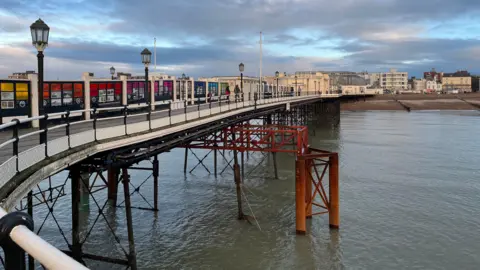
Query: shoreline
[[413, 102]]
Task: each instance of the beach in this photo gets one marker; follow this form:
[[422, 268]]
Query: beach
[[470, 101]]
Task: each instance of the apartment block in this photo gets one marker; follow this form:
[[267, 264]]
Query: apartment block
[[391, 80]]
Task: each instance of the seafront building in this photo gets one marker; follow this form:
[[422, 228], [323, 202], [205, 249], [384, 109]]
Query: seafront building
[[460, 81], [393, 80], [303, 81]]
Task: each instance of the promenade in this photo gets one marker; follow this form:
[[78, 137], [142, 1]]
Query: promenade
[[414, 102]]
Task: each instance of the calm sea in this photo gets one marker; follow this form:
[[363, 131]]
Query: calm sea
[[410, 199]]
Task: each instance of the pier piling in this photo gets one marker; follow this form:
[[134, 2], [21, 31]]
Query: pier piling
[[300, 217], [334, 192]]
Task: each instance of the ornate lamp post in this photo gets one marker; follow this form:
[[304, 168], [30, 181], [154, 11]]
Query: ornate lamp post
[[146, 60], [112, 71], [277, 74], [40, 31], [241, 68]]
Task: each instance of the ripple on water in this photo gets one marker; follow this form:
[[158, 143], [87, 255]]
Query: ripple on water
[[409, 200]]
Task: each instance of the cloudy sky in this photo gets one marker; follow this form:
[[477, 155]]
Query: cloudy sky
[[211, 37]]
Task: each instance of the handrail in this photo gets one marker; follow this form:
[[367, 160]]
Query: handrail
[[109, 109], [30, 134], [7, 142], [81, 121], [81, 111], [56, 114], [49, 256], [7, 125], [26, 120], [110, 118]]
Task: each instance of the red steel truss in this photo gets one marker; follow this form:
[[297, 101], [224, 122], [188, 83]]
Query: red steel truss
[[311, 164], [259, 138]]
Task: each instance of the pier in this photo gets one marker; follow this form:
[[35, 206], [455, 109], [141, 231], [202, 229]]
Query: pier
[[99, 150]]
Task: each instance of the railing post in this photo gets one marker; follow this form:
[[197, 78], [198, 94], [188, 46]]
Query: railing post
[[125, 114], [220, 102], [199, 107], [185, 110], [67, 128], [45, 137], [14, 255], [255, 100], [170, 113], [15, 143], [210, 106], [149, 117], [95, 123], [43, 126]]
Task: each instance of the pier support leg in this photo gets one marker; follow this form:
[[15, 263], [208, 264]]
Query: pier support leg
[[186, 160], [275, 168], [334, 193], [308, 188], [242, 154], [112, 185], [238, 180], [215, 160], [132, 257], [76, 185], [301, 226], [84, 191], [155, 183], [274, 154]]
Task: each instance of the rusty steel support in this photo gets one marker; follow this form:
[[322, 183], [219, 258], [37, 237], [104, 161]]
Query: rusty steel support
[[300, 217], [155, 182], [334, 193], [242, 154], [112, 179], [76, 186], [132, 257], [308, 187]]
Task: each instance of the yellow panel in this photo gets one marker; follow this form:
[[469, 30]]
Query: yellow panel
[[22, 87], [6, 87], [22, 95]]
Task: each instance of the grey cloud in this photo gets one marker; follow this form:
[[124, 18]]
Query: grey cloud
[[229, 28]]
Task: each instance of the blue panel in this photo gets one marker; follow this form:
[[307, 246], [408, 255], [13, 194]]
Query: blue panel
[[213, 88], [200, 89]]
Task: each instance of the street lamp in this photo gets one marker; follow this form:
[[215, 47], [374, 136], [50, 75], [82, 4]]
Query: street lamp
[[146, 60], [40, 31], [112, 71], [296, 85], [241, 68], [277, 74]]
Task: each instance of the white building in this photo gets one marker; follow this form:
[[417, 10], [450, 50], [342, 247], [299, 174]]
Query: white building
[[433, 86], [419, 85], [392, 80]]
